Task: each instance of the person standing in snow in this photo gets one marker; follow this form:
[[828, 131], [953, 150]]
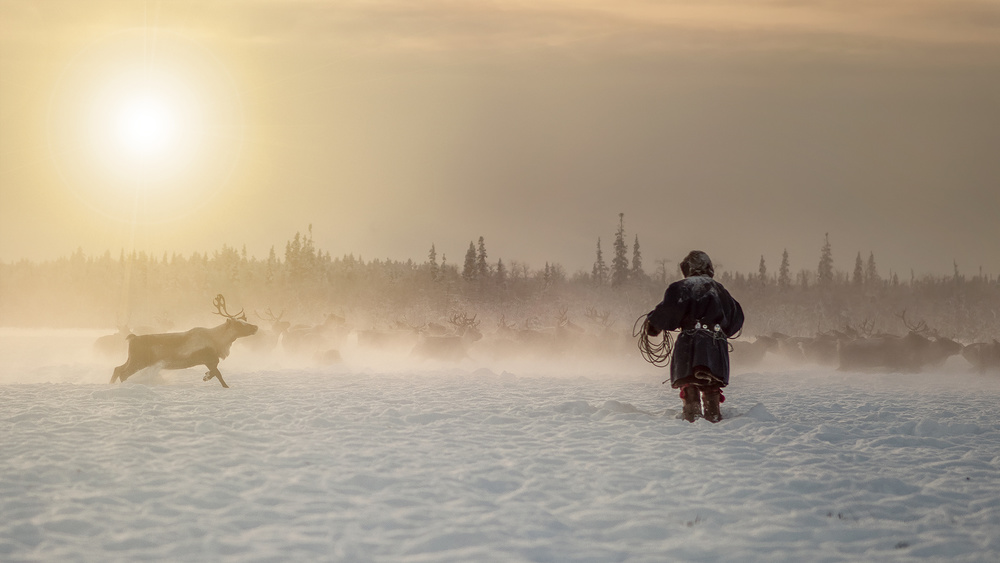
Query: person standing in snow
[[706, 315]]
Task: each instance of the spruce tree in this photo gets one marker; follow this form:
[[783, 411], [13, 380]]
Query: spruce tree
[[469, 269], [619, 264], [660, 273], [762, 272], [482, 267], [825, 270], [433, 262], [600, 271], [859, 271], [871, 271], [637, 273], [272, 266], [308, 254], [293, 250], [501, 273], [784, 273]]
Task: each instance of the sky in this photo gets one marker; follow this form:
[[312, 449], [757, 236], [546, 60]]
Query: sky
[[739, 127]]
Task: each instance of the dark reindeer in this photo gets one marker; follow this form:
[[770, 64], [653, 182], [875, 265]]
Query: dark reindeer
[[113, 346], [266, 339], [602, 318], [451, 347], [316, 339], [983, 355], [180, 350], [910, 353], [750, 354], [401, 336]]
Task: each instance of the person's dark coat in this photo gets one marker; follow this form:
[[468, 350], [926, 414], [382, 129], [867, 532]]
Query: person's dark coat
[[698, 300]]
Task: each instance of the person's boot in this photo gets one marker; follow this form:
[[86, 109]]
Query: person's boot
[[692, 402], [712, 396]]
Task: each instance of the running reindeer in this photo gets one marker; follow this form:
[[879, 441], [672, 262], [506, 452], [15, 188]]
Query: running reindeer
[[180, 350]]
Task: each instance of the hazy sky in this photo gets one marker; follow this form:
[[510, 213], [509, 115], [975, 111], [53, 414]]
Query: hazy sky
[[740, 127]]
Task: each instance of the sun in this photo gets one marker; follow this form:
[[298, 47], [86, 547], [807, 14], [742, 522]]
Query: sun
[[135, 117], [143, 124], [146, 126]]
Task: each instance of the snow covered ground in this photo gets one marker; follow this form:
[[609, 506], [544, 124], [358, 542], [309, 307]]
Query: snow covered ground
[[487, 463]]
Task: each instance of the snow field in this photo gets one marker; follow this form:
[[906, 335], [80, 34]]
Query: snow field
[[476, 464]]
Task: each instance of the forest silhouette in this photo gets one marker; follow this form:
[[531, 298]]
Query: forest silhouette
[[305, 284]]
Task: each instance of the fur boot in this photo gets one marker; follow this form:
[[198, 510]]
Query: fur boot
[[692, 402], [712, 396]]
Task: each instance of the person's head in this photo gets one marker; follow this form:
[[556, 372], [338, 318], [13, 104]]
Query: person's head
[[697, 263]]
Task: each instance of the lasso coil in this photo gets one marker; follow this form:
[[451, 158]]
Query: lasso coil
[[653, 351]]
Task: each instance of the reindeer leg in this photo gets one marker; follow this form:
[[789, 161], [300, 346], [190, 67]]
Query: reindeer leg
[[123, 372], [213, 367], [213, 371]]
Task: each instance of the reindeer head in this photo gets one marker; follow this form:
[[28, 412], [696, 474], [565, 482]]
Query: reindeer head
[[464, 326], [918, 328], [562, 316], [277, 325], [504, 327], [237, 322], [602, 318]]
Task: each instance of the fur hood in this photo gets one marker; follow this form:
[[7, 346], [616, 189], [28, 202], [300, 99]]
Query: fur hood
[[697, 263]]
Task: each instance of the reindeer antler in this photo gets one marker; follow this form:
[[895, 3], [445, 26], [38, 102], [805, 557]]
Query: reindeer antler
[[504, 325], [463, 320], [220, 309], [602, 318], [403, 324], [918, 328], [562, 316], [867, 327], [270, 316]]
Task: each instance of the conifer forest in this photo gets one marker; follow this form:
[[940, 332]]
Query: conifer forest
[[304, 285]]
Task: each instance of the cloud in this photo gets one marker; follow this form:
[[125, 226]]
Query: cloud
[[626, 26], [584, 28]]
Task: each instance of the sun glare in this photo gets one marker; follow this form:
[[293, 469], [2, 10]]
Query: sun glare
[[146, 126], [130, 118]]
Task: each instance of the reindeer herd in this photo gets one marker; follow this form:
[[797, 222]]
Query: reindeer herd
[[461, 337], [458, 337], [862, 349]]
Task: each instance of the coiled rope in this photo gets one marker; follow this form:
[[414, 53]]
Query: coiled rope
[[653, 351]]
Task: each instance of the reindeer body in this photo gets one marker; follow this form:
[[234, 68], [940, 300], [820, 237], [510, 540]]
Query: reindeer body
[[113, 345], [983, 355], [180, 350], [449, 348], [452, 347], [910, 353]]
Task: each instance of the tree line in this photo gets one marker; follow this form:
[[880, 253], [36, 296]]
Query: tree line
[[305, 282]]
